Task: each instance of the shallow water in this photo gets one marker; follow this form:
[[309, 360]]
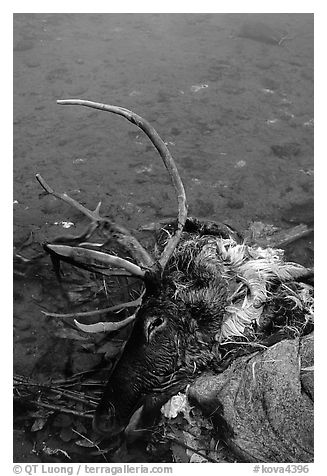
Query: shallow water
[[236, 113]]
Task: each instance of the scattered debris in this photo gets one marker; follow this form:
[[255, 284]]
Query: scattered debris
[[284, 114], [309, 123], [286, 101], [189, 433], [51, 452], [309, 172], [170, 143], [197, 87], [267, 91], [271, 121], [144, 169], [64, 224], [240, 164], [39, 424], [78, 161]]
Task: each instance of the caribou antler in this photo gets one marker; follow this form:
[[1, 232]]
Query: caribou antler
[[122, 235], [166, 157], [75, 250], [92, 259]]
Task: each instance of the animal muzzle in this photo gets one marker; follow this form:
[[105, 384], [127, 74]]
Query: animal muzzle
[[107, 423], [117, 410], [115, 430]]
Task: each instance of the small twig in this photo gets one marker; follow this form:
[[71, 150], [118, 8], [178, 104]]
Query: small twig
[[61, 409], [67, 394], [73, 378], [20, 381], [92, 443], [105, 287]]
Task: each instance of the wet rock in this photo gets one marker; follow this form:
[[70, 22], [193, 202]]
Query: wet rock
[[205, 390], [259, 406], [287, 150], [307, 363]]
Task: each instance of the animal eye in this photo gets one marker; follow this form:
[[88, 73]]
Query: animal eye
[[157, 322], [154, 325]]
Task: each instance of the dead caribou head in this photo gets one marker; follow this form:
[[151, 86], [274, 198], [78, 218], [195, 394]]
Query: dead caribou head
[[151, 329], [204, 285]]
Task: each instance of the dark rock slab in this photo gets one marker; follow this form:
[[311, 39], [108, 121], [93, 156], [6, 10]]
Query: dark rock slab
[[258, 404]]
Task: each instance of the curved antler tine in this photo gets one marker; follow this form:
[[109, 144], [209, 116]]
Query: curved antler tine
[[104, 326], [92, 258], [166, 157], [117, 307]]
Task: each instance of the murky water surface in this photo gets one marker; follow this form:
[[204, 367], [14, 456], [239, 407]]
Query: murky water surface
[[231, 94]]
